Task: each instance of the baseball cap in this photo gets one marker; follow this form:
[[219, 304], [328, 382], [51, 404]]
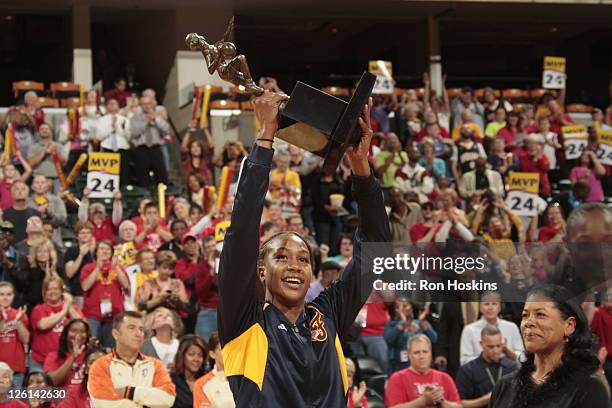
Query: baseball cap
[[6, 226], [188, 236]]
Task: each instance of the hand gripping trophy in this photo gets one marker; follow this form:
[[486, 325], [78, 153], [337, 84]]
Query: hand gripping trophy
[[221, 57], [310, 119]]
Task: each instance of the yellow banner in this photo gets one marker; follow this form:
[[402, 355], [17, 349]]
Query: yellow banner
[[605, 136], [105, 162], [380, 67], [575, 132], [554, 64], [529, 182], [126, 253], [220, 229]]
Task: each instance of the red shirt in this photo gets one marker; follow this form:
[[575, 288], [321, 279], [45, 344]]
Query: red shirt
[[103, 288], [106, 231], [541, 166], [423, 133], [11, 348], [76, 398], [75, 375], [376, 318], [6, 199], [351, 404], [206, 286], [153, 240], [508, 135], [120, 96], [46, 341], [186, 271], [13, 404], [547, 233], [418, 231], [407, 385], [602, 327]]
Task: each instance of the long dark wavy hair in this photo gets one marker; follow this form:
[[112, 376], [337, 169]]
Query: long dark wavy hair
[[179, 359], [63, 340], [579, 359]]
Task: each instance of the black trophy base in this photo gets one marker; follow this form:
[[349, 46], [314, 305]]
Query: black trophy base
[[323, 124]]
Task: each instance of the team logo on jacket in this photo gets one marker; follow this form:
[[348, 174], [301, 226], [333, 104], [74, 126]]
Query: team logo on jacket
[[317, 327]]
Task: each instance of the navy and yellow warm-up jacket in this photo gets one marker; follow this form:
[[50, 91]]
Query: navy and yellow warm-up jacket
[[269, 361]]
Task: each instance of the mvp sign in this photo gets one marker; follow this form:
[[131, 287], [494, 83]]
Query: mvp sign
[[103, 174], [522, 195]]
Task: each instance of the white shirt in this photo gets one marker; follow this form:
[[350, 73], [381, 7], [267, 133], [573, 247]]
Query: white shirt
[[470, 347], [113, 138], [166, 352]]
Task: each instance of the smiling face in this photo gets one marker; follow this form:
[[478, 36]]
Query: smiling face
[[287, 271], [37, 381], [543, 327], [5, 380], [104, 252], [43, 254], [53, 294], [77, 333], [554, 215], [194, 358], [147, 261], [178, 230]]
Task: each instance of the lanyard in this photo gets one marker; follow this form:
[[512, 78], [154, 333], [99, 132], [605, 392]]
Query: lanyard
[[500, 371]]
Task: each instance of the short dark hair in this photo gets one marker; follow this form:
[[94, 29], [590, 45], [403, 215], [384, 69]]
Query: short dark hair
[[267, 226], [118, 320], [263, 251], [489, 330], [177, 221], [150, 205]]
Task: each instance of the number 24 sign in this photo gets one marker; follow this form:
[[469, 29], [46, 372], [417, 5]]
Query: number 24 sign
[[103, 174]]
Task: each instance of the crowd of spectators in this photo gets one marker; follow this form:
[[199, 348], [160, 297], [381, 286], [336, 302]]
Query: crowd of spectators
[[442, 165]]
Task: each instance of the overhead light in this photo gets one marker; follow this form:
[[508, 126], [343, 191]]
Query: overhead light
[[553, 29], [8, 18]]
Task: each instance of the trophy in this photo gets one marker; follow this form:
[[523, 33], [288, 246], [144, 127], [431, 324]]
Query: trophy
[[311, 119]]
